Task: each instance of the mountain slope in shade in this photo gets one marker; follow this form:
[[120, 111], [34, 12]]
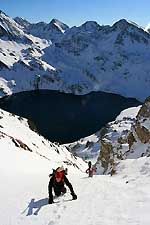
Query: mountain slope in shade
[[52, 31]]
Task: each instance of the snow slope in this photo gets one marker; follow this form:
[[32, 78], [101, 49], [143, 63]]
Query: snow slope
[[27, 156], [27, 159], [101, 199], [87, 148]]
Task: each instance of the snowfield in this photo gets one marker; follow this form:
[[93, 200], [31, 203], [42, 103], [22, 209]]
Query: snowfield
[[101, 199], [121, 199]]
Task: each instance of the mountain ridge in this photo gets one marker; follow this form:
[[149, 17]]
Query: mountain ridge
[[75, 60]]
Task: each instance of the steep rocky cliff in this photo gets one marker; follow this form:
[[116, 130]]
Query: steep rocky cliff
[[127, 137]]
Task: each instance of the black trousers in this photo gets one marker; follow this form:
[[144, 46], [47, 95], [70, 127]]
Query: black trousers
[[59, 191]]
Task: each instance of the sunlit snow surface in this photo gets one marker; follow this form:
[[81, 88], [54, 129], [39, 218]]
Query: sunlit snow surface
[[121, 199]]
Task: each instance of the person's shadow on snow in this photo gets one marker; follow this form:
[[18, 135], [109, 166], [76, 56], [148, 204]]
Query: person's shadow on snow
[[35, 205]]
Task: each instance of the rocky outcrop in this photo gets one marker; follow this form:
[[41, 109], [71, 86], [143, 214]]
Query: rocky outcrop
[[130, 139], [86, 148], [121, 143], [117, 142], [142, 125], [106, 156]]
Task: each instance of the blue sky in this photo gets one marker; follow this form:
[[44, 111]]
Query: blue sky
[[76, 12]]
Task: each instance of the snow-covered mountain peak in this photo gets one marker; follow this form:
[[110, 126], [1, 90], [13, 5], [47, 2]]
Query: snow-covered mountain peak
[[121, 24], [147, 27], [134, 24], [52, 31], [90, 26], [6, 20], [11, 30], [22, 21], [132, 30], [59, 25], [124, 24], [3, 14]]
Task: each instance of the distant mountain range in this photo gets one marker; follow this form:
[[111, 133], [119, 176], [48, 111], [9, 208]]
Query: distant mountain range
[[52, 31], [74, 60]]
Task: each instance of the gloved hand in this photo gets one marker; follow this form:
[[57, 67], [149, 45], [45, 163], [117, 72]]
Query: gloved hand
[[50, 201], [74, 196]]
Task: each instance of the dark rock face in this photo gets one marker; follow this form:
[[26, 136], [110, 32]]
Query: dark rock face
[[106, 156], [142, 126]]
